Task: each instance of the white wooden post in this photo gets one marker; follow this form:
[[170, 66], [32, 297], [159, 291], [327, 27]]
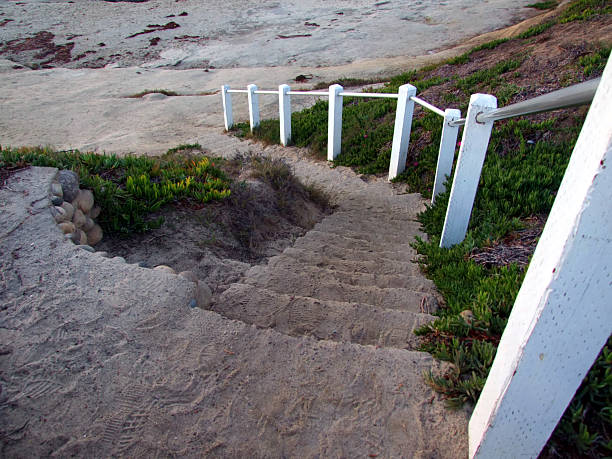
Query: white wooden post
[[448, 143], [563, 313], [472, 154], [284, 110], [401, 131], [334, 123], [228, 116], [253, 106]]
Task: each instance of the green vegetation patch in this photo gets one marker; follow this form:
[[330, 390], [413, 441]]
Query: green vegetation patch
[[546, 5], [583, 10], [594, 62], [131, 188]]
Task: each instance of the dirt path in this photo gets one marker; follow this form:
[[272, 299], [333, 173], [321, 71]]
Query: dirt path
[[100, 357]]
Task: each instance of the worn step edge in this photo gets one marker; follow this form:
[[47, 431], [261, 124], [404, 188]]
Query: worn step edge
[[296, 315], [403, 249], [292, 272], [302, 284], [345, 260]]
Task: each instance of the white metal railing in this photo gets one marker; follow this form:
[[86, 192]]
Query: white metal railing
[[562, 316], [406, 97], [478, 124]]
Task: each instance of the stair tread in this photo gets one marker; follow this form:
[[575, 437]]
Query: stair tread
[[316, 284], [352, 260], [314, 239], [328, 320], [399, 279]]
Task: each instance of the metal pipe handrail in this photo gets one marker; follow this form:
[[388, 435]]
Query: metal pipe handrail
[[428, 106], [265, 92], [308, 93], [578, 94], [238, 91], [379, 95]]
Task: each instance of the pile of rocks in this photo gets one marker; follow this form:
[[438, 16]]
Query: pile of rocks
[[74, 210]]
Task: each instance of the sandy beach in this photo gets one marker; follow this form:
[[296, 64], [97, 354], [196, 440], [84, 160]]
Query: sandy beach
[[237, 33]]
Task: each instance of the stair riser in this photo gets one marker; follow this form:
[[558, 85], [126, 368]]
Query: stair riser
[[297, 316], [364, 262], [398, 280]]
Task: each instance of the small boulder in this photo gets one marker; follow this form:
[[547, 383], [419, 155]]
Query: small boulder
[[94, 235], [57, 200], [88, 248], [84, 201], [89, 224], [56, 190], [203, 295], [165, 268], [59, 214], [79, 237], [69, 181], [102, 253], [189, 275], [94, 212], [67, 227], [119, 259], [69, 210], [79, 218]]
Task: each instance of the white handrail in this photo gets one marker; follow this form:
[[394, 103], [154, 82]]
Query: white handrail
[[427, 105], [578, 94], [374, 95], [406, 97], [308, 93]]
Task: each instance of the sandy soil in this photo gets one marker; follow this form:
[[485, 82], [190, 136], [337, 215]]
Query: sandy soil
[[99, 358], [239, 33]]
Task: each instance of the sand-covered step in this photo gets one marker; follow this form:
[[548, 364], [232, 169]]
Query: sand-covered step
[[314, 237], [349, 260], [324, 247], [380, 235], [306, 283], [378, 223], [287, 265], [329, 320]]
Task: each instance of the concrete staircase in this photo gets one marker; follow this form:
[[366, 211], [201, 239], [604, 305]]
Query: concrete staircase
[[352, 278], [310, 355]]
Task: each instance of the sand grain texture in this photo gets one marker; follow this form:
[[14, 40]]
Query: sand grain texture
[[100, 357]]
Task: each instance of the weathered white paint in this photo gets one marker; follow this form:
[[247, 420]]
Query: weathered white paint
[[253, 106], [401, 131], [563, 313], [284, 113], [472, 153], [446, 155], [334, 124], [228, 116]]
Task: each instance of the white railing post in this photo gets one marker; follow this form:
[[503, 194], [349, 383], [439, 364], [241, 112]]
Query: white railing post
[[448, 143], [562, 315], [334, 123], [401, 132], [253, 106], [228, 116], [472, 154], [284, 113]]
